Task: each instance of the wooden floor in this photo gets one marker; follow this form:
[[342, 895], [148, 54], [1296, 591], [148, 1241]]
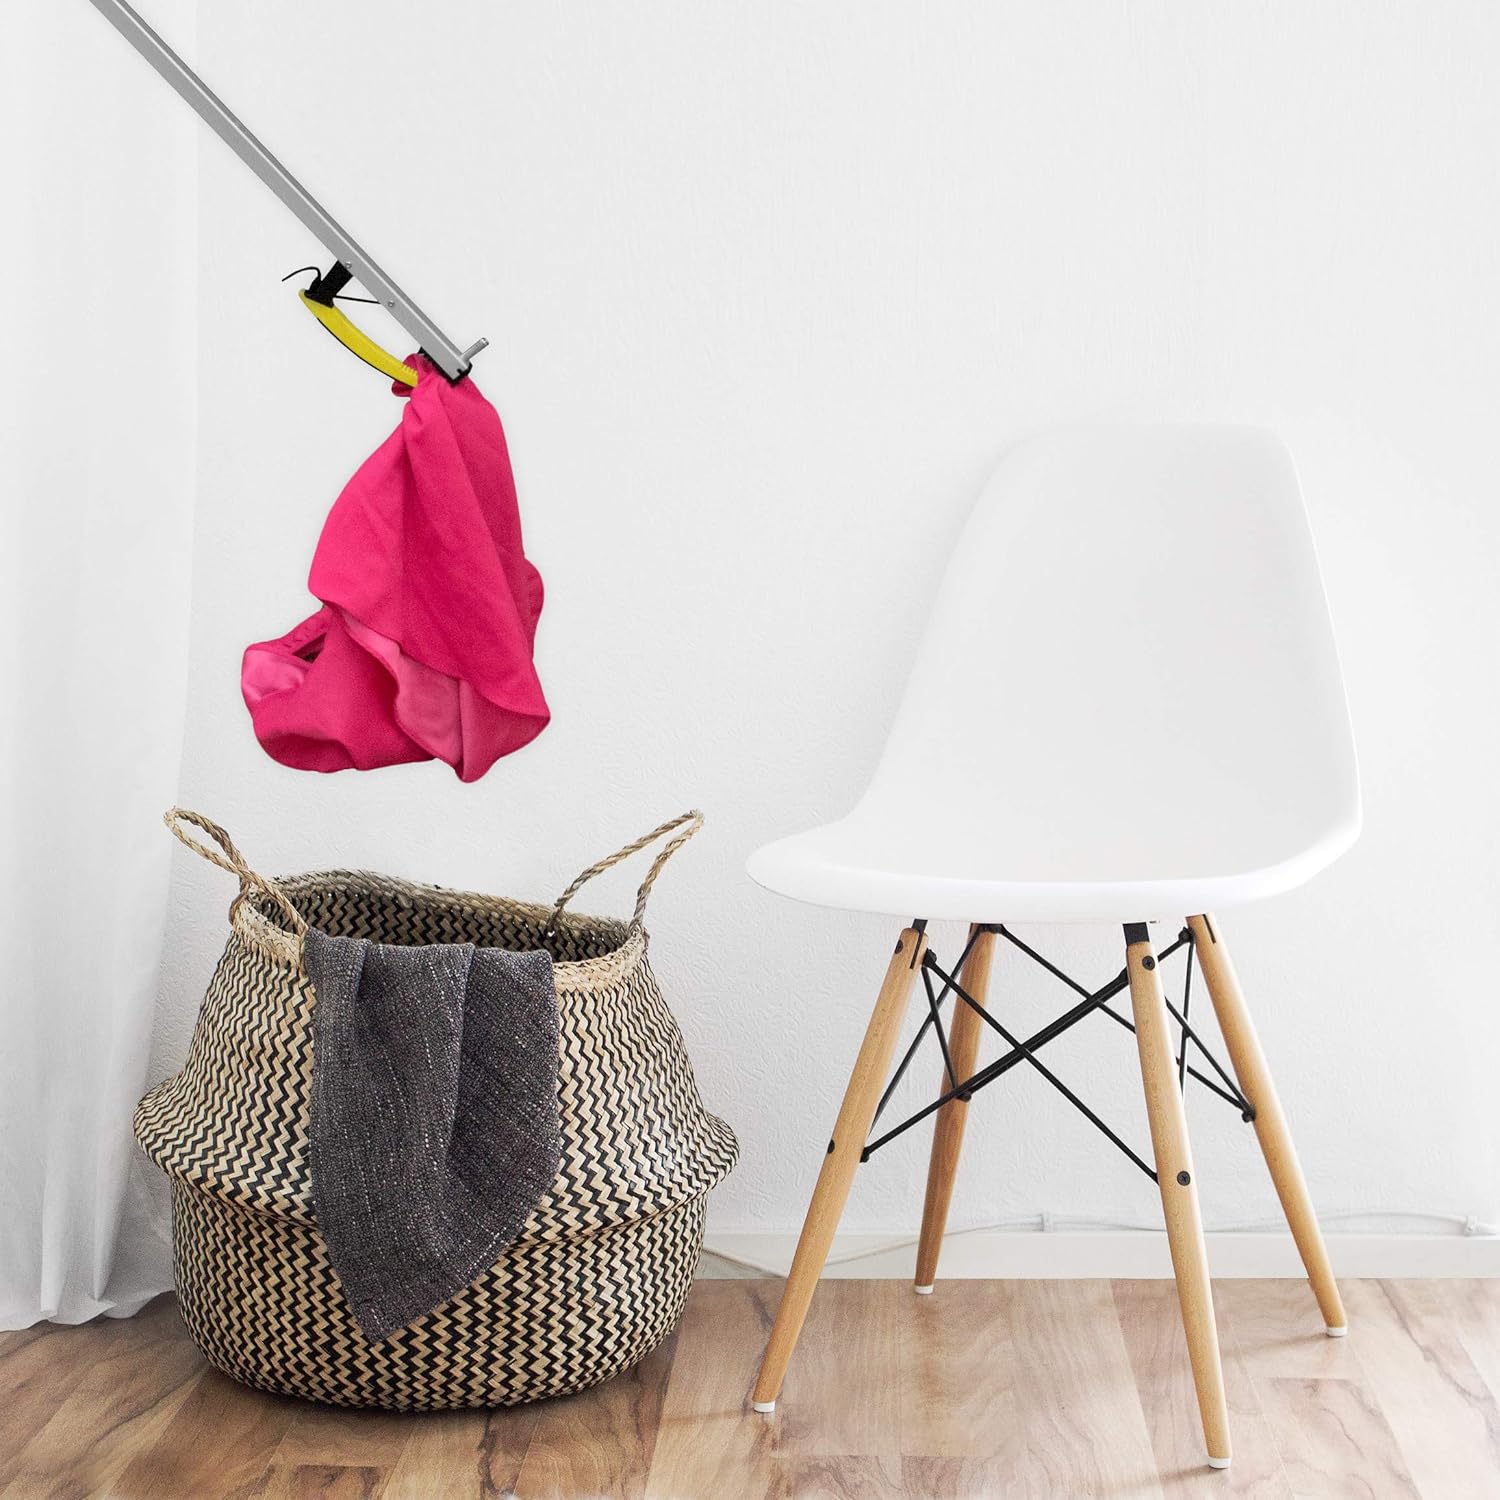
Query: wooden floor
[[988, 1388]]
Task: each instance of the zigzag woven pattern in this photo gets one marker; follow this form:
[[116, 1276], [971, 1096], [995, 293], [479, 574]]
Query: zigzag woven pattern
[[261, 1300], [598, 1274]]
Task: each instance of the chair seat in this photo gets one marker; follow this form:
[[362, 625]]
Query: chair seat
[[1127, 703], [857, 867]]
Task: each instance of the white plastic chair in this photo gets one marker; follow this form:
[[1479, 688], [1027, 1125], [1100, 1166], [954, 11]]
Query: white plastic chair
[[1128, 706]]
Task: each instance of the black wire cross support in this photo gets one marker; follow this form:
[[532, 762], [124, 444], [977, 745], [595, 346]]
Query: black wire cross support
[[1025, 1050]]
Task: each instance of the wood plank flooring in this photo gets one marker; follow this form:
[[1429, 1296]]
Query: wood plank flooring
[[1063, 1389]]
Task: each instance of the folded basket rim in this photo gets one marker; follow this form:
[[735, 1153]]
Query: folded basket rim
[[260, 921]]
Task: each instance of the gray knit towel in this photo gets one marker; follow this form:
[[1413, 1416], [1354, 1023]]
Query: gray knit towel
[[433, 1129]]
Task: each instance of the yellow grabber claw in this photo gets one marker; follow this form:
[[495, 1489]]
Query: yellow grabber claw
[[356, 341]]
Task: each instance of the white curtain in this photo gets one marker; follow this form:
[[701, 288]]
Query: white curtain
[[97, 381]]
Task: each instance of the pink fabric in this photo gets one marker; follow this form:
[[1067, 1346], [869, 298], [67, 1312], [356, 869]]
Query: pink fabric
[[423, 647]]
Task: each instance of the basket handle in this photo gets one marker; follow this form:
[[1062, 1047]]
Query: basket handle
[[232, 860], [689, 822]]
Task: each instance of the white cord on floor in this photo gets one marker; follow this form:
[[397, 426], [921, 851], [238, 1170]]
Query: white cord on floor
[[1050, 1223]]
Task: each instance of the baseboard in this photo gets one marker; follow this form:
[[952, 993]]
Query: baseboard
[[1061, 1255]]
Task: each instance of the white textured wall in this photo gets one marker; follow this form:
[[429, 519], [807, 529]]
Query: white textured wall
[[768, 288]]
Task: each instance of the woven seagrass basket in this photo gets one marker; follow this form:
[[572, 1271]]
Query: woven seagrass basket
[[598, 1274]]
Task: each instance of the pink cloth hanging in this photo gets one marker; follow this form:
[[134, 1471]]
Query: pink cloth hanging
[[423, 647]]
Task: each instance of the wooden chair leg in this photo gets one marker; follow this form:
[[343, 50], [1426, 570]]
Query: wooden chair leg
[[848, 1144], [1179, 1197], [948, 1132], [1275, 1139]]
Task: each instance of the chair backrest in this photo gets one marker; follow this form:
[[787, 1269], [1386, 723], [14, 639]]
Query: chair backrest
[[1130, 672]]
